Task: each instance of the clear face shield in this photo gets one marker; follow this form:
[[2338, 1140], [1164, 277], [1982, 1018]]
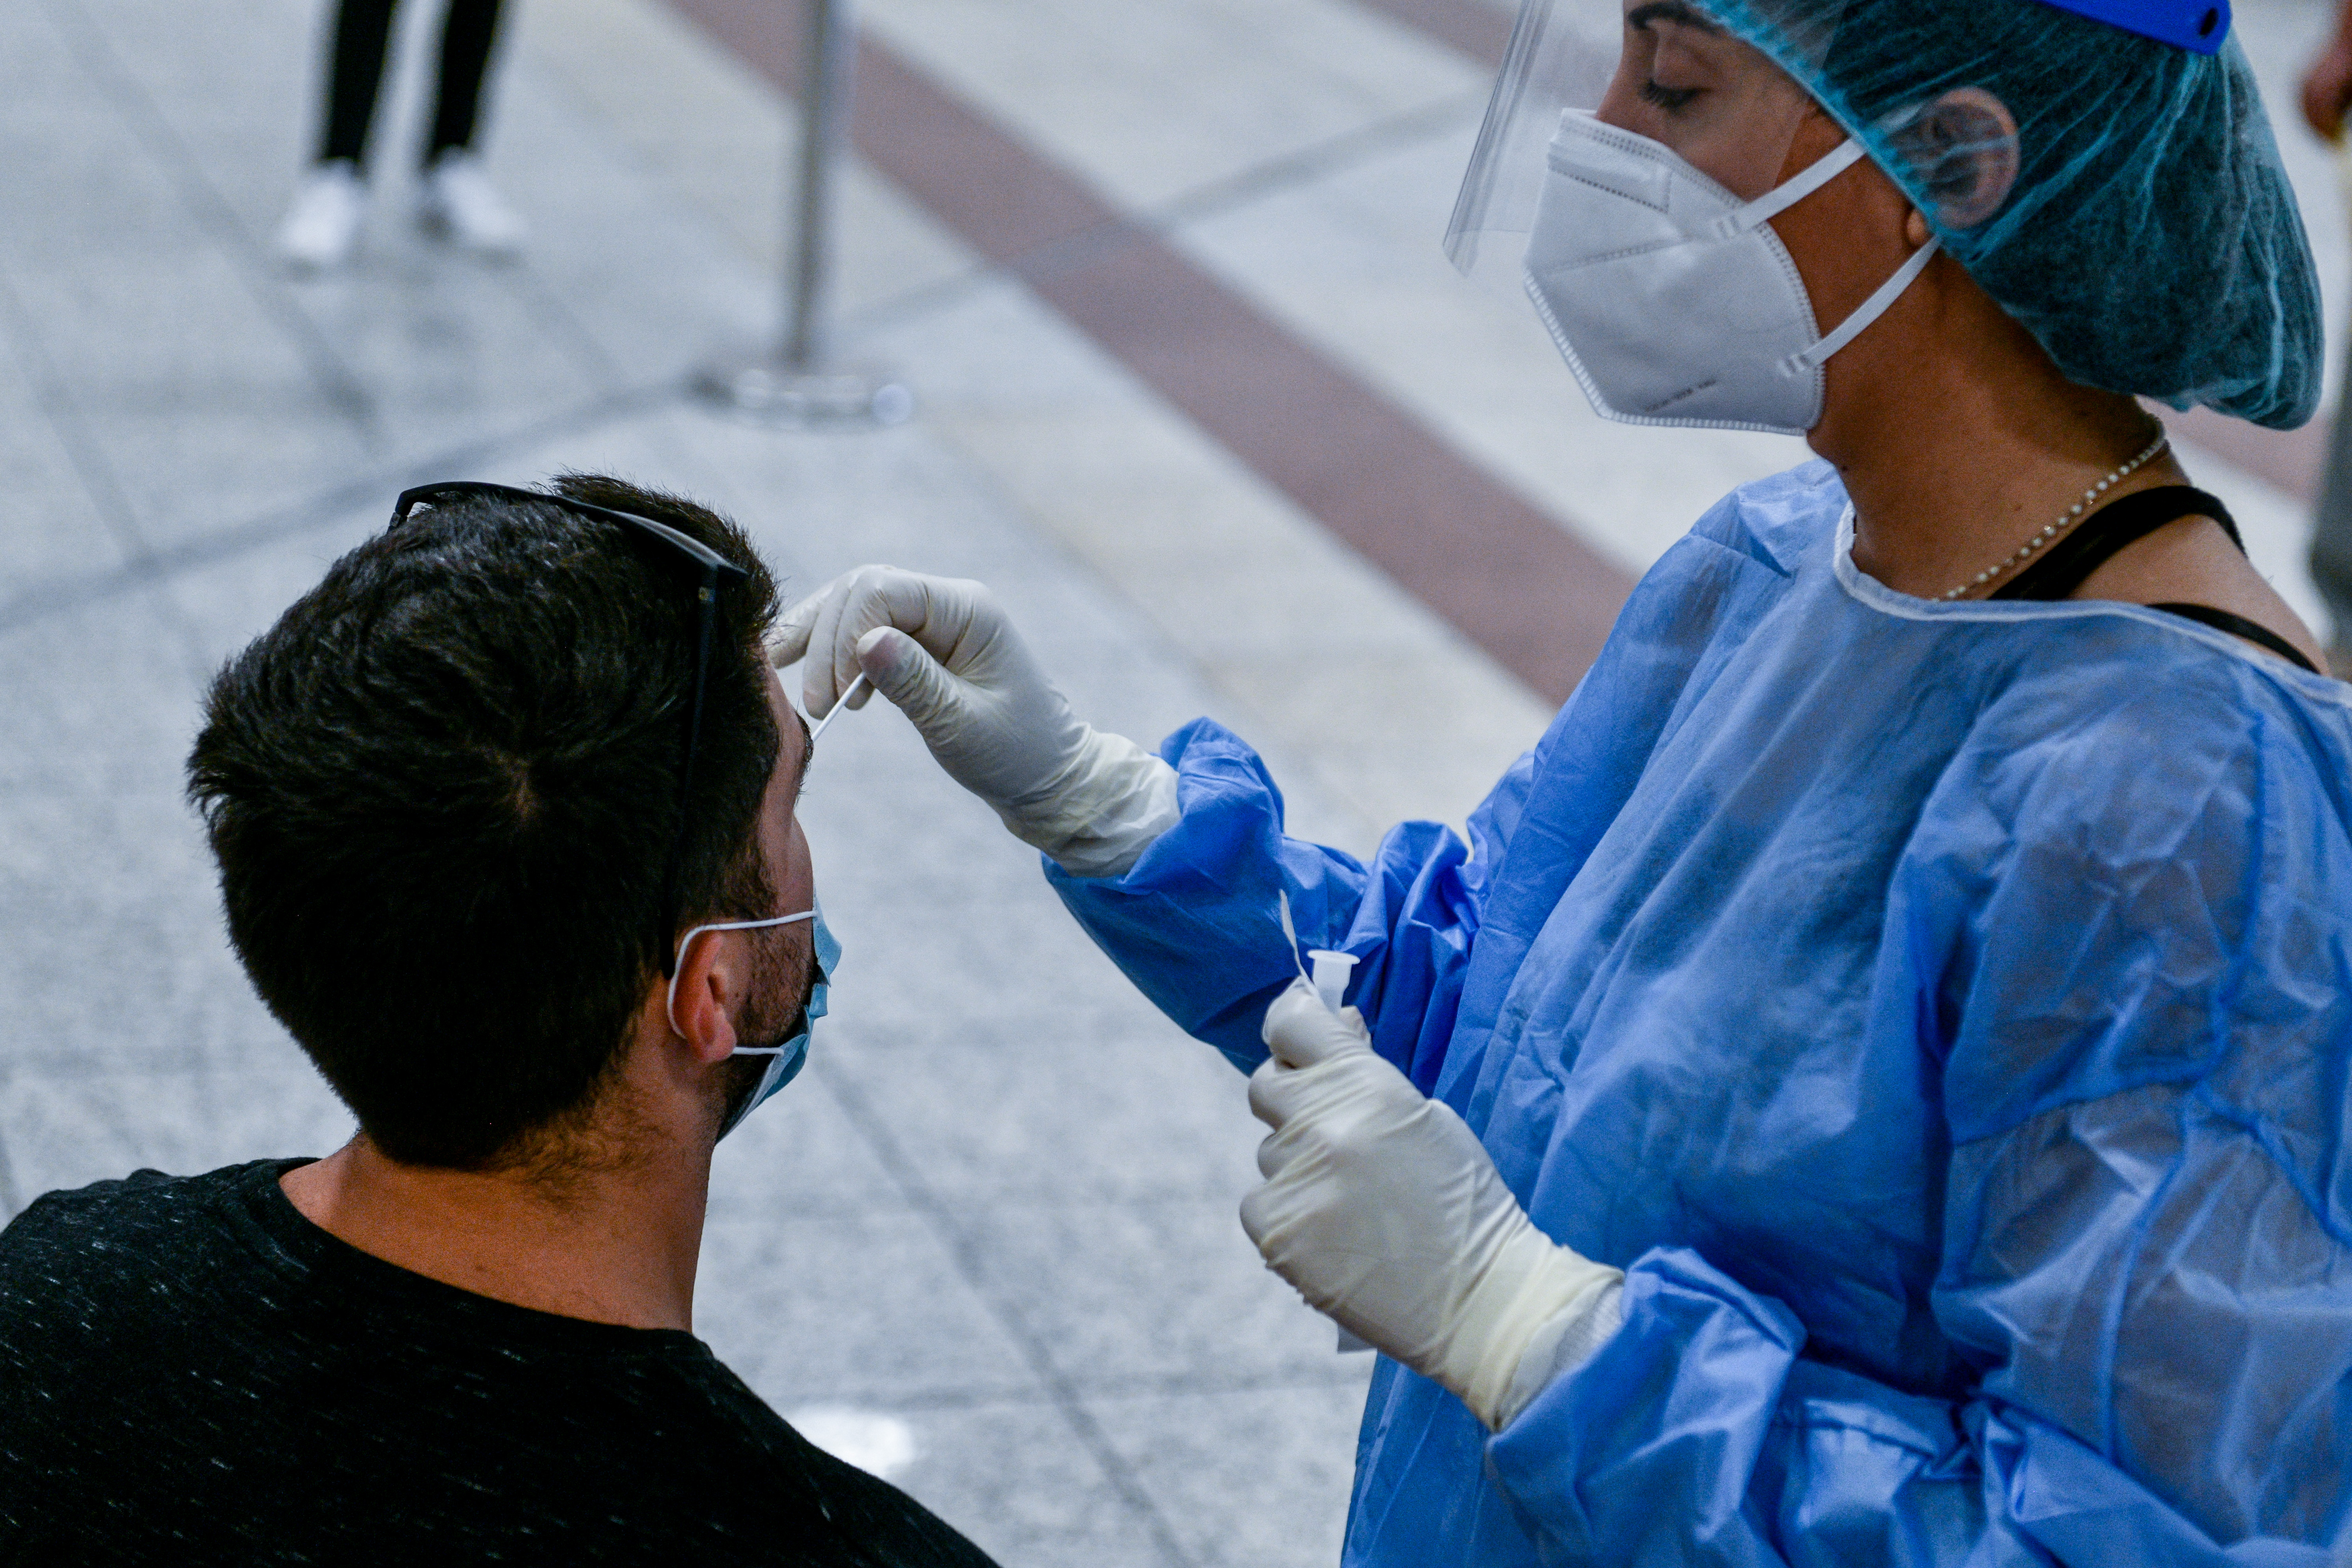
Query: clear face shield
[[1661, 68], [1633, 159]]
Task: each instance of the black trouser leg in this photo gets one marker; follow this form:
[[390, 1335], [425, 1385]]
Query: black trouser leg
[[363, 28], [466, 34]]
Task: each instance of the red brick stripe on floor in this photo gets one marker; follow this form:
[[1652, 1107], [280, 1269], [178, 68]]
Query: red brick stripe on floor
[[1511, 580]]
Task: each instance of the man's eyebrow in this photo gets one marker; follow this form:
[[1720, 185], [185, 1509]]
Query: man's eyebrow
[[1675, 11], [808, 752]]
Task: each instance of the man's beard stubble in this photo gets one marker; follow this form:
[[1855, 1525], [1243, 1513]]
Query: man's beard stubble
[[770, 1013]]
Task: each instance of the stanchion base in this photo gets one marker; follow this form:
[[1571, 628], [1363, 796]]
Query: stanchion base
[[769, 393]]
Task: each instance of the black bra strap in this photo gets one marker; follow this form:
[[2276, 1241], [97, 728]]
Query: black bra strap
[[2239, 626], [2092, 542], [2087, 546]]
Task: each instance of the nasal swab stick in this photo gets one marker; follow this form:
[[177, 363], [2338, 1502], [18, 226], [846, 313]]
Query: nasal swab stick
[[839, 708], [1282, 903]]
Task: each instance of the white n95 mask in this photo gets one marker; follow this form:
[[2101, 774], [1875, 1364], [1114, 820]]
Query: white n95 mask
[[1675, 301]]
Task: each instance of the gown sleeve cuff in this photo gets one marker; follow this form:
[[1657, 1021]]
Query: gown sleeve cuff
[[1570, 1340], [1120, 801], [1191, 919], [1677, 1402]]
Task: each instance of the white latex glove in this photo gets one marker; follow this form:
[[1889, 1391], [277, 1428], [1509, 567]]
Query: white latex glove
[[1382, 1208], [942, 650]]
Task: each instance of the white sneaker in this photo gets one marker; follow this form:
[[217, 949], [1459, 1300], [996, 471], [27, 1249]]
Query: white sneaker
[[463, 207], [324, 221]]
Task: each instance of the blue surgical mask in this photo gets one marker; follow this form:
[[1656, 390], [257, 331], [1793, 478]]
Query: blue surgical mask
[[784, 1061]]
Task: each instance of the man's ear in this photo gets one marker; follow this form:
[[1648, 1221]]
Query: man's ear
[[701, 1004], [1963, 148]]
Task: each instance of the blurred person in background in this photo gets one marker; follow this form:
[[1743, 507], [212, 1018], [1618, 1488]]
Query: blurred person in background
[[460, 203], [2327, 95], [504, 810], [1872, 1088]]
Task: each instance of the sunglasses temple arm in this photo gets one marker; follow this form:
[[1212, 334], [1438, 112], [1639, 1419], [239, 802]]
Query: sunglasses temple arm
[[706, 611]]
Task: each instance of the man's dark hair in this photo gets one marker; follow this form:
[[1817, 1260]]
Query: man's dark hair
[[444, 788]]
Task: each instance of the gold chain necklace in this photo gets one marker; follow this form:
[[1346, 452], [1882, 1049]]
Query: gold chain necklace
[[2073, 515]]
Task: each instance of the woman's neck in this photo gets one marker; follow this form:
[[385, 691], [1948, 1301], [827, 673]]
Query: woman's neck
[[1958, 448]]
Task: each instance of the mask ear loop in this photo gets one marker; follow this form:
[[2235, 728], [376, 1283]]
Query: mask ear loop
[[669, 1007], [1800, 185], [1869, 310], [1779, 199]]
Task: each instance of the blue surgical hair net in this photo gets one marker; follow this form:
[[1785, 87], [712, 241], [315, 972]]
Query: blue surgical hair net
[[2151, 244]]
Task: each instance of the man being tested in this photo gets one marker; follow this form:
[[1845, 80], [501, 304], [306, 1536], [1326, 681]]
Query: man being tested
[[504, 813], [1872, 1087]]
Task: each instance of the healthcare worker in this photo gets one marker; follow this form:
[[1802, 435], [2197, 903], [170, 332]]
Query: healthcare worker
[[1873, 1086]]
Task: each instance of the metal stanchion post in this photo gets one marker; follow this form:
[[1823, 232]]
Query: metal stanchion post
[[797, 381]]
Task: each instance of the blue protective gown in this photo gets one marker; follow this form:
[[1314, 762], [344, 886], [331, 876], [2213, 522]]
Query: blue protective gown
[[1942, 1011]]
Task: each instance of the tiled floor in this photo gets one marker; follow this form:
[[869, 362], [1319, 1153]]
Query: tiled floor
[[999, 1207]]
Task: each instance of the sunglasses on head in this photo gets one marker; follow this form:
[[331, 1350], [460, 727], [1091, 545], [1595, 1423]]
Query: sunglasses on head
[[700, 564]]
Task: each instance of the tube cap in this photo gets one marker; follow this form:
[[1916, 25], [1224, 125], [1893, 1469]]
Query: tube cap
[[1332, 971]]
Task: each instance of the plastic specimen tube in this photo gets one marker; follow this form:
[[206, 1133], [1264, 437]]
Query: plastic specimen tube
[[1331, 972]]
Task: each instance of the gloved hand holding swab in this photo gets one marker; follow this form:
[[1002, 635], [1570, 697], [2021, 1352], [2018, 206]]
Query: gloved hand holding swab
[[941, 651]]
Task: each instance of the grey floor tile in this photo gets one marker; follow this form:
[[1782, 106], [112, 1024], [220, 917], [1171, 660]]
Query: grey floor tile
[[1020, 1483], [229, 601], [61, 1130], [189, 383], [114, 994], [1254, 1479], [85, 856], [1068, 1109], [1150, 1297], [132, 991], [829, 501], [75, 539], [191, 466], [116, 955], [99, 697], [798, 1156], [627, 66], [441, 344], [867, 1308], [1258, 79], [244, 112], [643, 280], [637, 446]]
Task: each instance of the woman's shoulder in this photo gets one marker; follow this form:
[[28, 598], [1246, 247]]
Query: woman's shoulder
[[2125, 856], [1780, 518], [2133, 729]]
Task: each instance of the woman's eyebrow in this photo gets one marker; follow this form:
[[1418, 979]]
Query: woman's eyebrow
[[1674, 11]]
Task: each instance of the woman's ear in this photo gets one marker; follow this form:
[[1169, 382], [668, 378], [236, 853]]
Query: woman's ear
[[1963, 148]]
